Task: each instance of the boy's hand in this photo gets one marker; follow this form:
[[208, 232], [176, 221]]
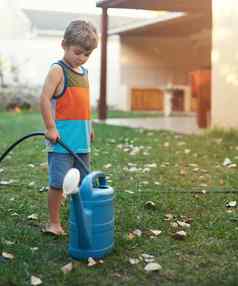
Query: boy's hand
[[92, 136], [52, 134]]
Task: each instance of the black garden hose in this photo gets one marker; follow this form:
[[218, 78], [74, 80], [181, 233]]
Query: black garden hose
[[43, 134]]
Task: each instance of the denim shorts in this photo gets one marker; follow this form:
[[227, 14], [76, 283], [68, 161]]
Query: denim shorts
[[60, 163]]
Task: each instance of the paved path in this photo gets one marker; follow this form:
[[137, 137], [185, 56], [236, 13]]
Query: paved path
[[179, 124]]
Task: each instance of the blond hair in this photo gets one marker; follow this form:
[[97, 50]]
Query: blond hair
[[81, 33]]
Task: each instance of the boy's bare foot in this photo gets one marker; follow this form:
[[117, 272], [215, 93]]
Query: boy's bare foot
[[53, 229]]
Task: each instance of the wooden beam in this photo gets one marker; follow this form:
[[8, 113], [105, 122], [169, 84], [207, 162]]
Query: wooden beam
[[164, 5], [107, 3], [102, 105]]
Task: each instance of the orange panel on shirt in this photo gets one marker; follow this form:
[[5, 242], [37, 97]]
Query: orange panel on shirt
[[73, 105]]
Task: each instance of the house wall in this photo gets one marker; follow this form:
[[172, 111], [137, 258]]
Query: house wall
[[33, 58], [116, 98], [14, 24], [157, 62], [35, 55], [225, 64]]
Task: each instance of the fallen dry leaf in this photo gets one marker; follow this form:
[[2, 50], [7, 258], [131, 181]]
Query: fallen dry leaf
[[193, 165], [231, 204], [134, 261], [150, 205], [33, 216], [149, 260], [43, 189], [183, 224], [182, 172], [188, 220], [91, 262], [44, 165], [8, 255], [168, 217], [152, 267], [233, 165], [181, 143], [147, 256], [117, 275], [203, 184], [31, 184], [35, 281], [107, 166], [129, 192], [227, 162], [174, 224], [5, 183], [152, 165], [155, 232], [67, 268], [8, 242], [180, 235], [131, 236], [137, 232], [14, 214]]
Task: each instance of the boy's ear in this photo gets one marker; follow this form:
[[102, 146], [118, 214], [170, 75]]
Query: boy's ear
[[63, 44]]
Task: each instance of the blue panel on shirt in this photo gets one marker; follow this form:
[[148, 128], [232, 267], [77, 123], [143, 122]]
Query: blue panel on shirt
[[75, 134]]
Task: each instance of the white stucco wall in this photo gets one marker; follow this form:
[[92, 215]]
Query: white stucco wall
[[225, 64], [33, 53], [34, 57], [115, 95], [13, 23]]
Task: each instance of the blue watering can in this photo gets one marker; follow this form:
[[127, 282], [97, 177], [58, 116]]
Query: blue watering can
[[91, 221]]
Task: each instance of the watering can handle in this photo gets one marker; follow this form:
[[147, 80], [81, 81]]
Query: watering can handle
[[99, 180]]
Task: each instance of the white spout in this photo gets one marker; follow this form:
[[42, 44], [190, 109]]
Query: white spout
[[71, 182]]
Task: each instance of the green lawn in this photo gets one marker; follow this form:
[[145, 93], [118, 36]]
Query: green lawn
[[136, 114], [129, 114], [170, 170]]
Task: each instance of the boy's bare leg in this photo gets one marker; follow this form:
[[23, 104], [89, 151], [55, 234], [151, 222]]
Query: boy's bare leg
[[55, 198]]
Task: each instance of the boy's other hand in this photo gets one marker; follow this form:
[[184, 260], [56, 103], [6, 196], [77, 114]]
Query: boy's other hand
[[52, 135], [92, 136]]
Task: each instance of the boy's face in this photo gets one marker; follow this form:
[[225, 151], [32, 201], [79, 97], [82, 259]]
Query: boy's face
[[75, 55]]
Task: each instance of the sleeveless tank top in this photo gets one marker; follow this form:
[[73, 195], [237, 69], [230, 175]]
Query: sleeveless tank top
[[71, 111]]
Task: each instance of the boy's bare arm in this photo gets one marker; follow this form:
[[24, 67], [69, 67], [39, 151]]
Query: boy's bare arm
[[52, 81]]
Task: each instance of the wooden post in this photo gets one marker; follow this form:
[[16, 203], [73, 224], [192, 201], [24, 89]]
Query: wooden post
[[102, 105]]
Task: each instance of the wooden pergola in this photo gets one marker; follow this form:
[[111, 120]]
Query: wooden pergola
[[187, 6]]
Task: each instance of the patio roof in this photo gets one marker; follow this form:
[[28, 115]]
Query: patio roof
[[197, 8], [163, 5], [178, 26]]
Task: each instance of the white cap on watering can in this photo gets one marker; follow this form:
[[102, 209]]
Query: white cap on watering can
[[71, 182]]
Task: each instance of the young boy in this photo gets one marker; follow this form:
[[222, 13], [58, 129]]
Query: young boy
[[65, 109]]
